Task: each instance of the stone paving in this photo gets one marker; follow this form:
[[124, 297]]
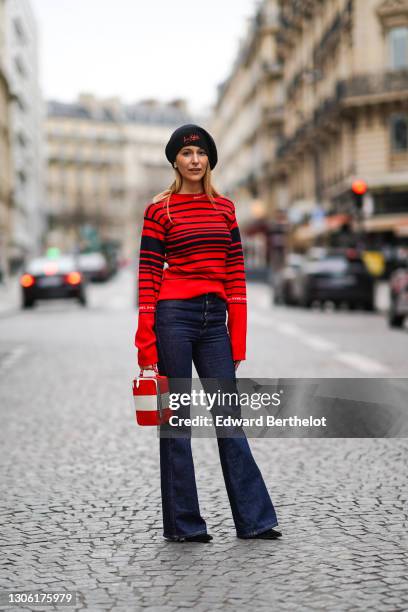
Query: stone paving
[[80, 497]]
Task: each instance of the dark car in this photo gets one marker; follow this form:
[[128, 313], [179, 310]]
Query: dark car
[[55, 278], [398, 297], [337, 277], [283, 280]]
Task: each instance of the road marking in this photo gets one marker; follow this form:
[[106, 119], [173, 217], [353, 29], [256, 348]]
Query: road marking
[[289, 329], [320, 344], [354, 360], [360, 362], [316, 342]]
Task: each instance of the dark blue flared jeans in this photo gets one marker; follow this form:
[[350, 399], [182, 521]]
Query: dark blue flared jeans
[[194, 330]]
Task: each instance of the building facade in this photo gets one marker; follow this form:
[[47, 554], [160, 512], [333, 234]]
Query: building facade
[[247, 121], [6, 193], [248, 115], [346, 109], [317, 99], [105, 162], [26, 131]]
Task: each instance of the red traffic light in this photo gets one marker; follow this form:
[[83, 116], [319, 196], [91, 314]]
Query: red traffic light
[[359, 187]]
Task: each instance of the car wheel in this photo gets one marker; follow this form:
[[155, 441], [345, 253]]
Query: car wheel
[[369, 306], [28, 303], [82, 300], [395, 320]]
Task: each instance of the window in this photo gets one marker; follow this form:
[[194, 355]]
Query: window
[[398, 42], [19, 65], [399, 132], [20, 103], [21, 138], [19, 30]]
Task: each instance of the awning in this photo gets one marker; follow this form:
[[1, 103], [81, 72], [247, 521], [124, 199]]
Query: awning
[[329, 224], [305, 233], [335, 222], [402, 228], [387, 223]]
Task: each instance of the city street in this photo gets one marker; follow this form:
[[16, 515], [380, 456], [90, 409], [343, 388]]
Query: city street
[[80, 490]]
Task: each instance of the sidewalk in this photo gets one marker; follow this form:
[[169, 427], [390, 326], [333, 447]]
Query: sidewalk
[[9, 295]]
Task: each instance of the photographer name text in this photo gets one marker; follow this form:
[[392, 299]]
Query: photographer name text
[[259, 421]]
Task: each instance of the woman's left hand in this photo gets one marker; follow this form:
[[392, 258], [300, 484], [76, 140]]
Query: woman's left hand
[[236, 364]]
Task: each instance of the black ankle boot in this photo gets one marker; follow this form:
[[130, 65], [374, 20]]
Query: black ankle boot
[[271, 534], [201, 537]]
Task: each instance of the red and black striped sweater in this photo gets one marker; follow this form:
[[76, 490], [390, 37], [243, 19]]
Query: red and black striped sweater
[[201, 246]]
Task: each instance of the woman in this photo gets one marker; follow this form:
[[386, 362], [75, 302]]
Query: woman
[[182, 319]]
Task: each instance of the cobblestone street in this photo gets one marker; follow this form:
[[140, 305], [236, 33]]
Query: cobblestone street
[[80, 491]]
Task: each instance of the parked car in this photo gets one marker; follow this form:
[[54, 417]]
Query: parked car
[[283, 279], [338, 276], [56, 278], [398, 297], [94, 266], [317, 253]]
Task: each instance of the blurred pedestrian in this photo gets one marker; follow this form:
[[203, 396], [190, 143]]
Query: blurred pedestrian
[[182, 319]]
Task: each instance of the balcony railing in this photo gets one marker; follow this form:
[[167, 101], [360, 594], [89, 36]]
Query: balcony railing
[[372, 84], [385, 84]]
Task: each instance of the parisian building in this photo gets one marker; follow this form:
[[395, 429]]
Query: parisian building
[[26, 132], [345, 79], [105, 162], [247, 121], [5, 155], [316, 100]]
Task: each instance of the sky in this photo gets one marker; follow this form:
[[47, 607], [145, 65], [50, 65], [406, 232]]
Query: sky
[[139, 49]]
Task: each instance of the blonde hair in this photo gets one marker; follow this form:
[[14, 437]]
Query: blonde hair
[[175, 187]]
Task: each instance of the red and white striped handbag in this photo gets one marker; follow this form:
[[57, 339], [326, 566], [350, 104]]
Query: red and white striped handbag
[[151, 397]]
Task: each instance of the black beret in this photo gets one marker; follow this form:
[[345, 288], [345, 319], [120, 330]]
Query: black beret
[[193, 135]]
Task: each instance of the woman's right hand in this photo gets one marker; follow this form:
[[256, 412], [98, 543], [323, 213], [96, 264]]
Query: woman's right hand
[[149, 367]]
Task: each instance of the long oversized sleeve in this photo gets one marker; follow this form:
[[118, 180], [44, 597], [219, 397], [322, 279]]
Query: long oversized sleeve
[[235, 288], [151, 262]]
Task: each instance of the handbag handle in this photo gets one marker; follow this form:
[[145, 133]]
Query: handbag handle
[[156, 371], [141, 374]]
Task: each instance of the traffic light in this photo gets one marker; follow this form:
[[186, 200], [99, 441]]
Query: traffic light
[[358, 189]]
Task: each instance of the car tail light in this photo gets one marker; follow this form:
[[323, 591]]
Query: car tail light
[[352, 253], [74, 278], [27, 280]]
